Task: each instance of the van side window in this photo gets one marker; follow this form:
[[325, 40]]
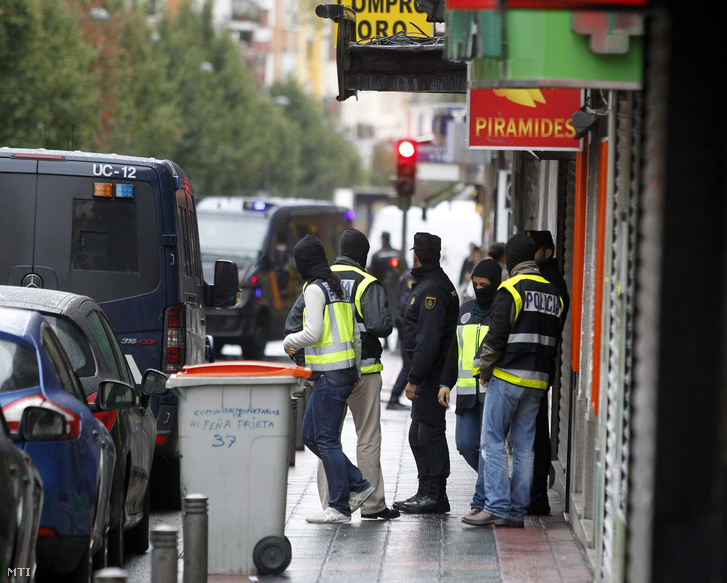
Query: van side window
[[188, 240]]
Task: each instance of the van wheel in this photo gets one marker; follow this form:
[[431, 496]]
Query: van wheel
[[253, 347]]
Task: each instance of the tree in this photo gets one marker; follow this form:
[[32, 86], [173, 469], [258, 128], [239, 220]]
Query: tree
[[48, 90]]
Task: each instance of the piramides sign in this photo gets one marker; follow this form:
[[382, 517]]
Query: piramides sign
[[523, 119], [382, 18]]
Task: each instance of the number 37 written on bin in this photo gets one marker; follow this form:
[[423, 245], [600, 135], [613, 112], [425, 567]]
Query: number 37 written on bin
[[223, 440]]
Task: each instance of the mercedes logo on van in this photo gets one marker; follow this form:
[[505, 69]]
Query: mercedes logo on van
[[32, 280]]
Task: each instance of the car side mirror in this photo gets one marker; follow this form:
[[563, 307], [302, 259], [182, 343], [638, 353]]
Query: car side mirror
[[115, 395], [227, 283], [154, 383], [41, 424]]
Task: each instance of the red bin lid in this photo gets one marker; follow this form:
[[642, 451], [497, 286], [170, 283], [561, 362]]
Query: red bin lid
[[245, 368]]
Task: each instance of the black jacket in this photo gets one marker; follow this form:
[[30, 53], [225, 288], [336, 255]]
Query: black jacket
[[429, 322]]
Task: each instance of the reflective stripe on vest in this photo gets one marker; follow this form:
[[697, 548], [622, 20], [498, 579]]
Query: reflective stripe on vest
[[527, 378], [368, 365], [334, 351], [469, 338]]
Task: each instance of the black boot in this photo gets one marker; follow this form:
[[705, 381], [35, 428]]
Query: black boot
[[421, 491], [434, 500]]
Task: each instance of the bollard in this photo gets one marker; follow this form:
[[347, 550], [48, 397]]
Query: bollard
[[300, 410], [110, 575], [196, 536], [163, 554]]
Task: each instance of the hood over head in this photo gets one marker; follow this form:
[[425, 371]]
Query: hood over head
[[354, 245], [518, 249], [310, 259]]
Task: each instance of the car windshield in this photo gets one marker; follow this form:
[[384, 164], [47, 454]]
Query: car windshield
[[232, 235], [18, 367]]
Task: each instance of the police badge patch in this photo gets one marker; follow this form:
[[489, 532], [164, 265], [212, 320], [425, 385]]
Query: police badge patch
[[429, 302]]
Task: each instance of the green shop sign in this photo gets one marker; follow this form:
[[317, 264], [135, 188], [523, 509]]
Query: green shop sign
[[553, 48]]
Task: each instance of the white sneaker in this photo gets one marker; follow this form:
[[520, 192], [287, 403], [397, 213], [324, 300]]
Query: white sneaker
[[356, 499], [329, 516]]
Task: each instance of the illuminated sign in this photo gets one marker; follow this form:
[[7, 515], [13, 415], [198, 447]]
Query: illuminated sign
[[382, 18], [523, 119]]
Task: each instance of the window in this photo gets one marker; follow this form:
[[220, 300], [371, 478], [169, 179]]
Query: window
[[75, 344], [104, 236], [107, 352], [61, 365], [18, 367], [115, 347]]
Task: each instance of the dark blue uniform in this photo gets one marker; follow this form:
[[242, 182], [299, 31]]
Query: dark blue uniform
[[430, 321]]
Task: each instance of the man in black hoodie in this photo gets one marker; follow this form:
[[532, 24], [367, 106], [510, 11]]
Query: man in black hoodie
[[429, 325], [547, 264]]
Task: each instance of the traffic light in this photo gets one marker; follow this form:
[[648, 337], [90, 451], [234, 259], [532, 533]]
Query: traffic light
[[406, 167]]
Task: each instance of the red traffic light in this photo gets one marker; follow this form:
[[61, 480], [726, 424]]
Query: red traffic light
[[406, 149], [406, 167]]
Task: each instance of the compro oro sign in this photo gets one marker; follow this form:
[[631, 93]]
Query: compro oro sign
[[382, 18], [523, 119]]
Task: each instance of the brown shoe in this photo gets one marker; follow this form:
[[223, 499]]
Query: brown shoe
[[484, 518], [474, 512]]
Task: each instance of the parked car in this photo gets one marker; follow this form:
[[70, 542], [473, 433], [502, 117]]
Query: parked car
[[21, 501], [76, 464], [96, 356], [259, 235]]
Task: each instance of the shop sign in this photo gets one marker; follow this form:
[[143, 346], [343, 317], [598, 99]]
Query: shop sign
[[523, 119], [383, 18]]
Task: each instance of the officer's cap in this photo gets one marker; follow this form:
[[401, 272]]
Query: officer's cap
[[428, 247]]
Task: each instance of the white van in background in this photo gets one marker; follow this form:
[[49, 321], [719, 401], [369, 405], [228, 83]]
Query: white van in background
[[457, 222]]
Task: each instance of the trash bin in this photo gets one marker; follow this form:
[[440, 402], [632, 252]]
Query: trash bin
[[234, 424]]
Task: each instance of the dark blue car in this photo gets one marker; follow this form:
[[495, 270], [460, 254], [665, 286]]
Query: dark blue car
[[76, 463]]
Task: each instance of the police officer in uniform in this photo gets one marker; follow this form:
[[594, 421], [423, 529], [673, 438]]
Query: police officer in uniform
[[516, 367], [332, 346], [429, 326], [463, 369]]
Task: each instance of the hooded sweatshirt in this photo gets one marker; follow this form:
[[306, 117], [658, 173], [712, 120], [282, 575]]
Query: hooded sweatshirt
[[310, 259]]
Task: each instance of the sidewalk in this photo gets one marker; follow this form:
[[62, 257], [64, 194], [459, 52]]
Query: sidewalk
[[418, 548]]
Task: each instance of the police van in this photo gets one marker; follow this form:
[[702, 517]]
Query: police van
[[259, 236], [122, 230]]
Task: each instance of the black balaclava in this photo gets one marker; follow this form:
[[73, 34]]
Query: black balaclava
[[518, 249], [310, 259], [492, 270], [354, 245]]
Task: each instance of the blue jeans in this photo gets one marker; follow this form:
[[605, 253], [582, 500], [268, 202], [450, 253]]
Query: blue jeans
[[516, 407], [467, 436], [321, 434]]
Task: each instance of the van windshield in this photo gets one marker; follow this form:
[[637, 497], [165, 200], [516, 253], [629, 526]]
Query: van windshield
[[232, 235]]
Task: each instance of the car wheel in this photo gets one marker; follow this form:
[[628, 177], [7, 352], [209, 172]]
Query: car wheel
[[100, 559], [253, 348], [83, 573], [115, 544], [137, 538]]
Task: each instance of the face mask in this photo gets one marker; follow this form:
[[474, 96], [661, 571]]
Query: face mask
[[485, 295]]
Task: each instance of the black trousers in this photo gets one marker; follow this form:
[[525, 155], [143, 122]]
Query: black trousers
[[427, 433], [541, 449]]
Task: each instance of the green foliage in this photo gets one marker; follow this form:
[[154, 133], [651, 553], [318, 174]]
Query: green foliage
[[48, 90], [179, 90]]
